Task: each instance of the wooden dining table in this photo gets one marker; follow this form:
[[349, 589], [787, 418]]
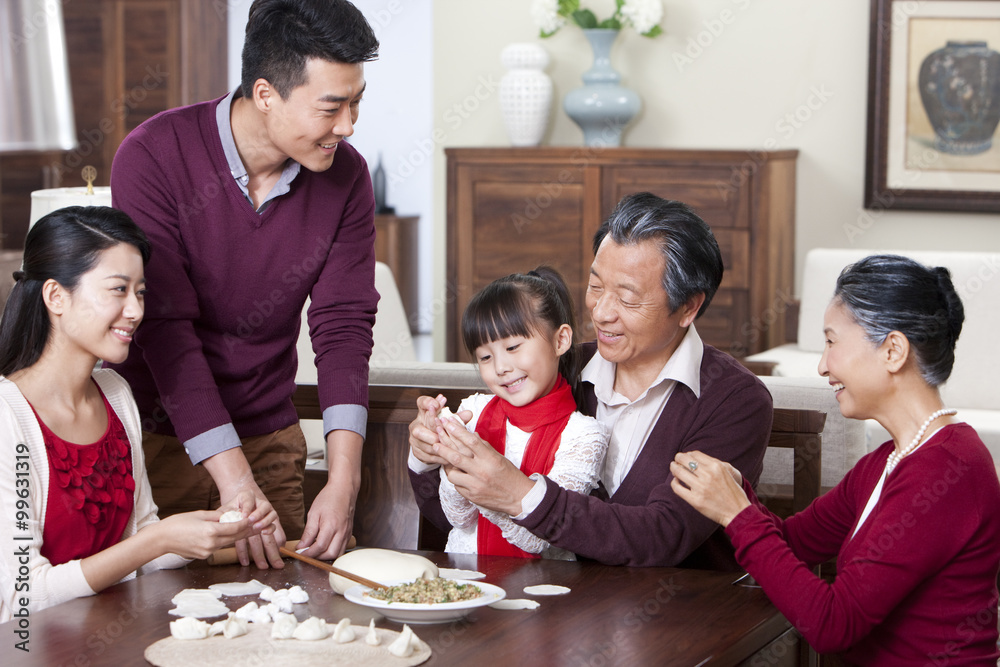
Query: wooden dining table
[[610, 616]]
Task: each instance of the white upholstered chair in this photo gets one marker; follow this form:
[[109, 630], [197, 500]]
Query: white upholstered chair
[[393, 344]]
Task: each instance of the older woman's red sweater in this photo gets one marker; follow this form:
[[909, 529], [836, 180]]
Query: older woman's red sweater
[[917, 584]]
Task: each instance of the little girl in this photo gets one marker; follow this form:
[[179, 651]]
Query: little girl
[[519, 329]]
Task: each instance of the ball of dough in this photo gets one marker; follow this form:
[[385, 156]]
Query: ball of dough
[[232, 516], [381, 565]]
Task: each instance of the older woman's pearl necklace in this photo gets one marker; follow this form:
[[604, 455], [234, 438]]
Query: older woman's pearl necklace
[[895, 456]]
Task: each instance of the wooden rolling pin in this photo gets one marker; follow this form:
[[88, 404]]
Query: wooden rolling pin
[[356, 578], [227, 556]]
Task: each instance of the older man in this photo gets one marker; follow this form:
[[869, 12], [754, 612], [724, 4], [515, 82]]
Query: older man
[[654, 383]]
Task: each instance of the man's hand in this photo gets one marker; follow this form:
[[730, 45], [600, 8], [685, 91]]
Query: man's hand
[[331, 519], [331, 516], [238, 490], [480, 473]]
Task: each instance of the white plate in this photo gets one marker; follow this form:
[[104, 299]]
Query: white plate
[[407, 612]]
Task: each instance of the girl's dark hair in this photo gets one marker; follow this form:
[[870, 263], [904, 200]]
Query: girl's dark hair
[[282, 34], [523, 304], [61, 246], [885, 293]]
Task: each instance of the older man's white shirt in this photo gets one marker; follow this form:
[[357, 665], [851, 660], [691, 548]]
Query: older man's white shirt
[[630, 422]]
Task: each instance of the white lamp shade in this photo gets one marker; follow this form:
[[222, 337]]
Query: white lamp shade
[[44, 202], [37, 112]]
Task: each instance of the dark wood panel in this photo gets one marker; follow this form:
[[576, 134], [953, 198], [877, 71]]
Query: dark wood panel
[[549, 234], [396, 245], [735, 247], [151, 67], [719, 326], [747, 197], [707, 189], [128, 60], [20, 175]]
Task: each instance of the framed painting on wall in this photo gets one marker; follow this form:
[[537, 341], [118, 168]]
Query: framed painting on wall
[[934, 105]]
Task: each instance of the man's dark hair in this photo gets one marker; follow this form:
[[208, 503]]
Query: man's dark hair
[[282, 34], [693, 260]]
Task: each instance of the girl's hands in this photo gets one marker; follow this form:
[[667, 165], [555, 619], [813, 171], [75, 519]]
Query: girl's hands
[[423, 429], [480, 473], [713, 487]]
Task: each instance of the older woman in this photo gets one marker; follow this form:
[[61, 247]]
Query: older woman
[[651, 381], [915, 525]]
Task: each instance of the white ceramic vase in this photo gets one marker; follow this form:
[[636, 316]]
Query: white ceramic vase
[[525, 93]]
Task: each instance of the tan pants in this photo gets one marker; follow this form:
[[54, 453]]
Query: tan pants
[[277, 460]]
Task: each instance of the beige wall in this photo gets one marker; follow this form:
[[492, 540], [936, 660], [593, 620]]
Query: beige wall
[[764, 62]]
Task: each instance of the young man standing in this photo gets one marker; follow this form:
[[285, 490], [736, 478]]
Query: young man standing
[[252, 203]]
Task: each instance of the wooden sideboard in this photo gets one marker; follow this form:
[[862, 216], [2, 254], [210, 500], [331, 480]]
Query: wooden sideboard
[[511, 209]]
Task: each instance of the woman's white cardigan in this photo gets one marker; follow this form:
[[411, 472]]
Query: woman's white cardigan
[[25, 575]]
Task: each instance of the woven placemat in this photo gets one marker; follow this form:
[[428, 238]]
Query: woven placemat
[[257, 648]]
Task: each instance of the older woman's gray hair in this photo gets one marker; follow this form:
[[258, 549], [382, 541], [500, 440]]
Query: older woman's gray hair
[[885, 293]]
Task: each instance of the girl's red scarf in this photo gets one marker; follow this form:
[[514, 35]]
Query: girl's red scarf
[[545, 418]]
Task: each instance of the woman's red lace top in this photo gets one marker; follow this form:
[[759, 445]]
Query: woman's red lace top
[[91, 491]]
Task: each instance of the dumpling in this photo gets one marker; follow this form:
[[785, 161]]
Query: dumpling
[[281, 602], [189, 628], [372, 638], [284, 626], [234, 627], [232, 516], [261, 615], [343, 632], [297, 595], [247, 611], [405, 644], [312, 629]]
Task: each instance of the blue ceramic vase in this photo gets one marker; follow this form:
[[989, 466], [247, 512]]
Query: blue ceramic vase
[[602, 107], [960, 89]]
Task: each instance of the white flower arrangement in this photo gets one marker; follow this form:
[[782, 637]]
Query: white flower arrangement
[[643, 15]]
